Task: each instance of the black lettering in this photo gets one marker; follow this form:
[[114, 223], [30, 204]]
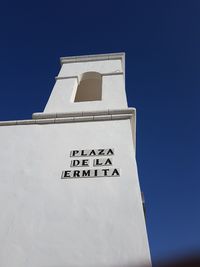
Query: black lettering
[[76, 173], [101, 152], [115, 173], [110, 152], [98, 163], [75, 163], [74, 152], [92, 153], [108, 162], [95, 173], [86, 173], [105, 171], [85, 162], [65, 174], [82, 153]]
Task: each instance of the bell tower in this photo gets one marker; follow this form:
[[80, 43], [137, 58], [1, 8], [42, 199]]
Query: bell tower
[[72, 195], [100, 78]]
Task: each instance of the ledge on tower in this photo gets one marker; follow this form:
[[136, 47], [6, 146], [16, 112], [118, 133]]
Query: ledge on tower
[[97, 57]]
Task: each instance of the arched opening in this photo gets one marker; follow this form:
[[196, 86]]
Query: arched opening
[[89, 88]]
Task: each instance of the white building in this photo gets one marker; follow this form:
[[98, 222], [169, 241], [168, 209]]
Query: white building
[[69, 189]]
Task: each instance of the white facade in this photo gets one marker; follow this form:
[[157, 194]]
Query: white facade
[[50, 221]]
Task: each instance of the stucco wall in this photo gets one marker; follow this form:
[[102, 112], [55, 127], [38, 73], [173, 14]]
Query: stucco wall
[[46, 221]]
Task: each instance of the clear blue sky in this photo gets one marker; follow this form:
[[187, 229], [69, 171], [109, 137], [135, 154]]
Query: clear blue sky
[[162, 44]]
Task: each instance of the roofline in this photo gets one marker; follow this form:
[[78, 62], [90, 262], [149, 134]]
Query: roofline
[[97, 57], [85, 116]]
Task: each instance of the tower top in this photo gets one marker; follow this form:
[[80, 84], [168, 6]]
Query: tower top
[[91, 82], [97, 57]]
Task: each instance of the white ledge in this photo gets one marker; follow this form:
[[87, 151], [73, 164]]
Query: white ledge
[[86, 116], [43, 115], [67, 119], [111, 56], [98, 57], [77, 77]]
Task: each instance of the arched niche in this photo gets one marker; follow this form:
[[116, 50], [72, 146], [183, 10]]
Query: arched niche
[[89, 87]]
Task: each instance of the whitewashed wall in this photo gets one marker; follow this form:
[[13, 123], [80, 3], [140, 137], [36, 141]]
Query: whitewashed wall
[[46, 221]]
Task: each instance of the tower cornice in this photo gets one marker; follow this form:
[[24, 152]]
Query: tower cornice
[[97, 57]]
